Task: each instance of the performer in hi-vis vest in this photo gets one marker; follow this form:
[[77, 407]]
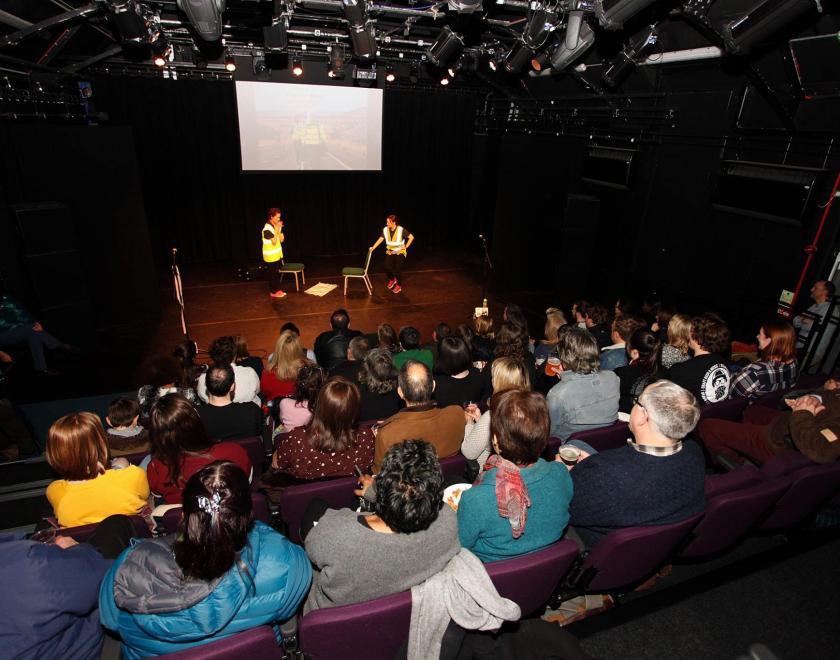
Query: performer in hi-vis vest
[[272, 249], [397, 241]]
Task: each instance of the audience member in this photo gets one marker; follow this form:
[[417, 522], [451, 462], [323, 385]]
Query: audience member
[[626, 306], [547, 346], [597, 322], [331, 346], [514, 314], [411, 350], [441, 331], [223, 351], [283, 366], [164, 375], [310, 354], [243, 357], [623, 327], [186, 352], [357, 348], [180, 448], [679, 337], [705, 375], [90, 489], [661, 319], [512, 341], [821, 293], [220, 575], [457, 382], [443, 428], [387, 337], [520, 502], [776, 369], [507, 374], [124, 433], [297, 410], [483, 344], [579, 308], [643, 349], [330, 445], [223, 418], [657, 479], [378, 386], [410, 536], [585, 397]]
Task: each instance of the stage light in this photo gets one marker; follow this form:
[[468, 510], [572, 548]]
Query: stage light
[[297, 67], [465, 6], [573, 23], [623, 65], [492, 64], [517, 57], [390, 76], [133, 21], [258, 65], [413, 73], [276, 35], [541, 23], [444, 81], [539, 62], [205, 16], [444, 49], [761, 21], [337, 59], [612, 13], [562, 56], [362, 29], [451, 71], [230, 63]]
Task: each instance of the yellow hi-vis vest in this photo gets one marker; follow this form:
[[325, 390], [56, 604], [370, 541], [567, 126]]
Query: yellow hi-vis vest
[[271, 252], [394, 244]]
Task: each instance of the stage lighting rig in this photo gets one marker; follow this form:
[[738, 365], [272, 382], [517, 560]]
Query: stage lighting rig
[[445, 48], [134, 21], [626, 61], [542, 22], [612, 13], [337, 59], [161, 51], [762, 20], [362, 28], [205, 16], [276, 35], [230, 63], [563, 56]]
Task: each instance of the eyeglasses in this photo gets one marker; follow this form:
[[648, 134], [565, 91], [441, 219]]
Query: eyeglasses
[[636, 402]]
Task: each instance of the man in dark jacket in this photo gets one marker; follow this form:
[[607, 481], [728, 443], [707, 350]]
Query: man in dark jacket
[[331, 346]]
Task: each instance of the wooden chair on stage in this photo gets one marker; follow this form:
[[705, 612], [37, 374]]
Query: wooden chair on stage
[[294, 269], [362, 273]]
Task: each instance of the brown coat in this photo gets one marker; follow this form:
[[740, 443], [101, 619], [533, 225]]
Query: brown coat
[[817, 437], [442, 427]]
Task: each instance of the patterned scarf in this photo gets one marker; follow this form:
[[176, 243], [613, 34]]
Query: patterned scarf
[[512, 495]]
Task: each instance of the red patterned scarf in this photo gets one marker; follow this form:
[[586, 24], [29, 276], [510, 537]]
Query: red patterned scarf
[[512, 495]]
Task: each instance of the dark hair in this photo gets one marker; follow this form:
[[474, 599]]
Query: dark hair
[[387, 337], [514, 314], [185, 353], [241, 348], [358, 347], [782, 336], [223, 350], [219, 379], [509, 341], [272, 212], [340, 319], [378, 372], [210, 541], [409, 337], [830, 289], [331, 429], [626, 324], [520, 423], [453, 356], [663, 317], [649, 347], [309, 381], [626, 305], [409, 487], [466, 333], [597, 313], [122, 411], [580, 307], [289, 326], [160, 370], [442, 330], [415, 381], [393, 217], [578, 350], [710, 332], [175, 427]]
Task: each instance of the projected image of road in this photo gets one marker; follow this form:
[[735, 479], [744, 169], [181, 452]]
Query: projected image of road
[[309, 127]]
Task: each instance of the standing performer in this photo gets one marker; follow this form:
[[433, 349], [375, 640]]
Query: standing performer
[[272, 249], [396, 247]]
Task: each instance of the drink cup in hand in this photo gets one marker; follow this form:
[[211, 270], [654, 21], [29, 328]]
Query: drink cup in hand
[[569, 455]]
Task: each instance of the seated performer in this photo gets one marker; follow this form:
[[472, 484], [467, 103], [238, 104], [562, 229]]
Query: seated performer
[[396, 247]]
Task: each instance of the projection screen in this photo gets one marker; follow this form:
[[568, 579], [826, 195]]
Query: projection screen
[[309, 127]]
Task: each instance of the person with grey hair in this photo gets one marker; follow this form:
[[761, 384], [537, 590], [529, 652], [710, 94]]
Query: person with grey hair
[[656, 479], [357, 348], [586, 397]]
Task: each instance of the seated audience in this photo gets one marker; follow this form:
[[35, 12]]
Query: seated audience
[[89, 489], [223, 351], [662, 315], [811, 427], [643, 349], [615, 355], [310, 354], [180, 448], [579, 308], [421, 418], [222, 417], [164, 375], [626, 306], [457, 382], [410, 349], [821, 293], [409, 537], [186, 353], [657, 479], [483, 343], [349, 368], [387, 337], [330, 445], [221, 574], [331, 346], [441, 331], [705, 375], [776, 369], [243, 357], [515, 315], [507, 374], [512, 341], [283, 365], [679, 337], [520, 502], [378, 386], [297, 410], [547, 346], [124, 433], [585, 397], [598, 323]]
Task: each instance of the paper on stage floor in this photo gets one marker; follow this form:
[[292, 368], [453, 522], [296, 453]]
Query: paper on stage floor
[[321, 289]]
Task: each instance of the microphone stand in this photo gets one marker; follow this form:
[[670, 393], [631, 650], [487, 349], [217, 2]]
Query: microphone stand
[[179, 291], [488, 266]]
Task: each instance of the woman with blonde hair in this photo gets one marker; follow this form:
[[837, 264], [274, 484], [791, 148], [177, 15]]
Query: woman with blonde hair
[[483, 343], [679, 334], [279, 378], [507, 373], [553, 322], [90, 490]]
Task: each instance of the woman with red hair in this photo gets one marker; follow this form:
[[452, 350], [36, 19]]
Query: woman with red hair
[[776, 369]]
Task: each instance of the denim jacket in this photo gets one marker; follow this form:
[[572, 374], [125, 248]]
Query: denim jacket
[[583, 401]]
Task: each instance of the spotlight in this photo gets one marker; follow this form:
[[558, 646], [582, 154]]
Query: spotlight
[[445, 47], [362, 30], [297, 67], [161, 50], [623, 65], [465, 6], [390, 76], [562, 56], [414, 73], [451, 71], [517, 57], [276, 35], [134, 22], [337, 59], [159, 60], [612, 13], [205, 16], [539, 62], [760, 21], [492, 64], [444, 81], [258, 65], [541, 23], [230, 63]]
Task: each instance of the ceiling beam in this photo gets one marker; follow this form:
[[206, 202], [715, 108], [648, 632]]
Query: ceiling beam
[[83, 64], [54, 21], [57, 44]]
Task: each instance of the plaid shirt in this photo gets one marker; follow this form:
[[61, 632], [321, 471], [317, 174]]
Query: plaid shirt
[[763, 377]]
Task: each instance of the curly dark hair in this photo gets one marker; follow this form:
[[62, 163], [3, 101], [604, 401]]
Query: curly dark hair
[[711, 333], [511, 341], [378, 372], [310, 380], [409, 487]]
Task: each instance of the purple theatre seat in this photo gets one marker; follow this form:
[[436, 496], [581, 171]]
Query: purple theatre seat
[[293, 500], [606, 437], [259, 642], [453, 465], [83, 532], [730, 516], [170, 520], [810, 487], [378, 628], [731, 409], [627, 556], [785, 463], [256, 453]]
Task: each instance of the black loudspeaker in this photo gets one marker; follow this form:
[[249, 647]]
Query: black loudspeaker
[[577, 241]]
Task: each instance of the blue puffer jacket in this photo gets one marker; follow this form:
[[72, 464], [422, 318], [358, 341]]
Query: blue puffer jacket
[[155, 611]]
